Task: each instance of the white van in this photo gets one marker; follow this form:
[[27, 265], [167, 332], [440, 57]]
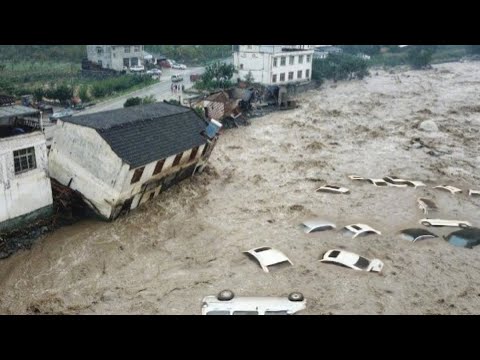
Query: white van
[[225, 303]]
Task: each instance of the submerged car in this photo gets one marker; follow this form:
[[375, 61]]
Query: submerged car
[[333, 189], [474, 193], [395, 181], [316, 225], [451, 189], [416, 234], [352, 261], [441, 222], [427, 205], [266, 256], [361, 229], [467, 238], [225, 303]]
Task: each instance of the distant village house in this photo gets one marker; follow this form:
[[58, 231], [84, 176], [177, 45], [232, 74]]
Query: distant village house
[[116, 57], [122, 158], [25, 189], [274, 64]]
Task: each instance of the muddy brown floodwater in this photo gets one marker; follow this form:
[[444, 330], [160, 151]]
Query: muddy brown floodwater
[[186, 244]]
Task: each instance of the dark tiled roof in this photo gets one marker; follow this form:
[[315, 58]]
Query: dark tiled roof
[[146, 133]]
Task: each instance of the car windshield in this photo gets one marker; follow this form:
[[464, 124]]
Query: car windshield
[[362, 263]]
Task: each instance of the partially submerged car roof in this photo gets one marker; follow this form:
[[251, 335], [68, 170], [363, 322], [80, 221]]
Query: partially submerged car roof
[[266, 256], [451, 189], [415, 234], [352, 260], [312, 224], [359, 229], [467, 238]]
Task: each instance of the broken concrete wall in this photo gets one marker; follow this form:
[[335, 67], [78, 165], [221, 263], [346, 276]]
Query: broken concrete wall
[[81, 159]]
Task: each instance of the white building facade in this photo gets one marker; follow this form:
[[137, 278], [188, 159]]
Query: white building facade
[[116, 57], [274, 64], [25, 189]]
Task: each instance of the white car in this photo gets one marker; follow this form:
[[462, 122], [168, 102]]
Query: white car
[[333, 189], [352, 261], [154, 72], [451, 189], [474, 193], [266, 256], [137, 68], [427, 205], [316, 225], [227, 304], [361, 229], [440, 222], [179, 66]]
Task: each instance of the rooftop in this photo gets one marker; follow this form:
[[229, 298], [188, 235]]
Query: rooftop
[[16, 110], [146, 133]]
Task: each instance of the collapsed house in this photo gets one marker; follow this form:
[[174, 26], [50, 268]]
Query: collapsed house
[[25, 190], [227, 106], [122, 158]]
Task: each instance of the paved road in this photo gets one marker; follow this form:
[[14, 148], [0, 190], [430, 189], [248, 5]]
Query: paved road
[[160, 90]]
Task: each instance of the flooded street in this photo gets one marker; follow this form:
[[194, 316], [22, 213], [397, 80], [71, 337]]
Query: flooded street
[[164, 257]]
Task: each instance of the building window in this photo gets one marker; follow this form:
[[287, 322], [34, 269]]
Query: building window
[[274, 78], [300, 59], [193, 155], [283, 61], [241, 66], [100, 62], [127, 49], [307, 74], [275, 62], [137, 175], [299, 74], [291, 60], [99, 51], [282, 77], [137, 48], [290, 75], [126, 62], [134, 61], [308, 58], [159, 167], [177, 159], [24, 160]]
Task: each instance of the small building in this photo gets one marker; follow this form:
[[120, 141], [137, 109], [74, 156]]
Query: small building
[[121, 158], [116, 57], [274, 64], [321, 52], [25, 189]]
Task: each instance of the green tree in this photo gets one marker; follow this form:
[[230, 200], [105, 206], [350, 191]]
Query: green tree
[[38, 94], [216, 76], [133, 101], [149, 100], [83, 94], [420, 57], [249, 79]]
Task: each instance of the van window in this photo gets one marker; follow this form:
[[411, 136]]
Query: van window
[[245, 313], [218, 313]]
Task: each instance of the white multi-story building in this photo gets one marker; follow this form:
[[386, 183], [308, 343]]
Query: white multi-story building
[[274, 64], [116, 57]]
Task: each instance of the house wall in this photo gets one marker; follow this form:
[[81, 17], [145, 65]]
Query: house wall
[[28, 195], [112, 55], [81, 159], [149, 184], [260, 61]]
